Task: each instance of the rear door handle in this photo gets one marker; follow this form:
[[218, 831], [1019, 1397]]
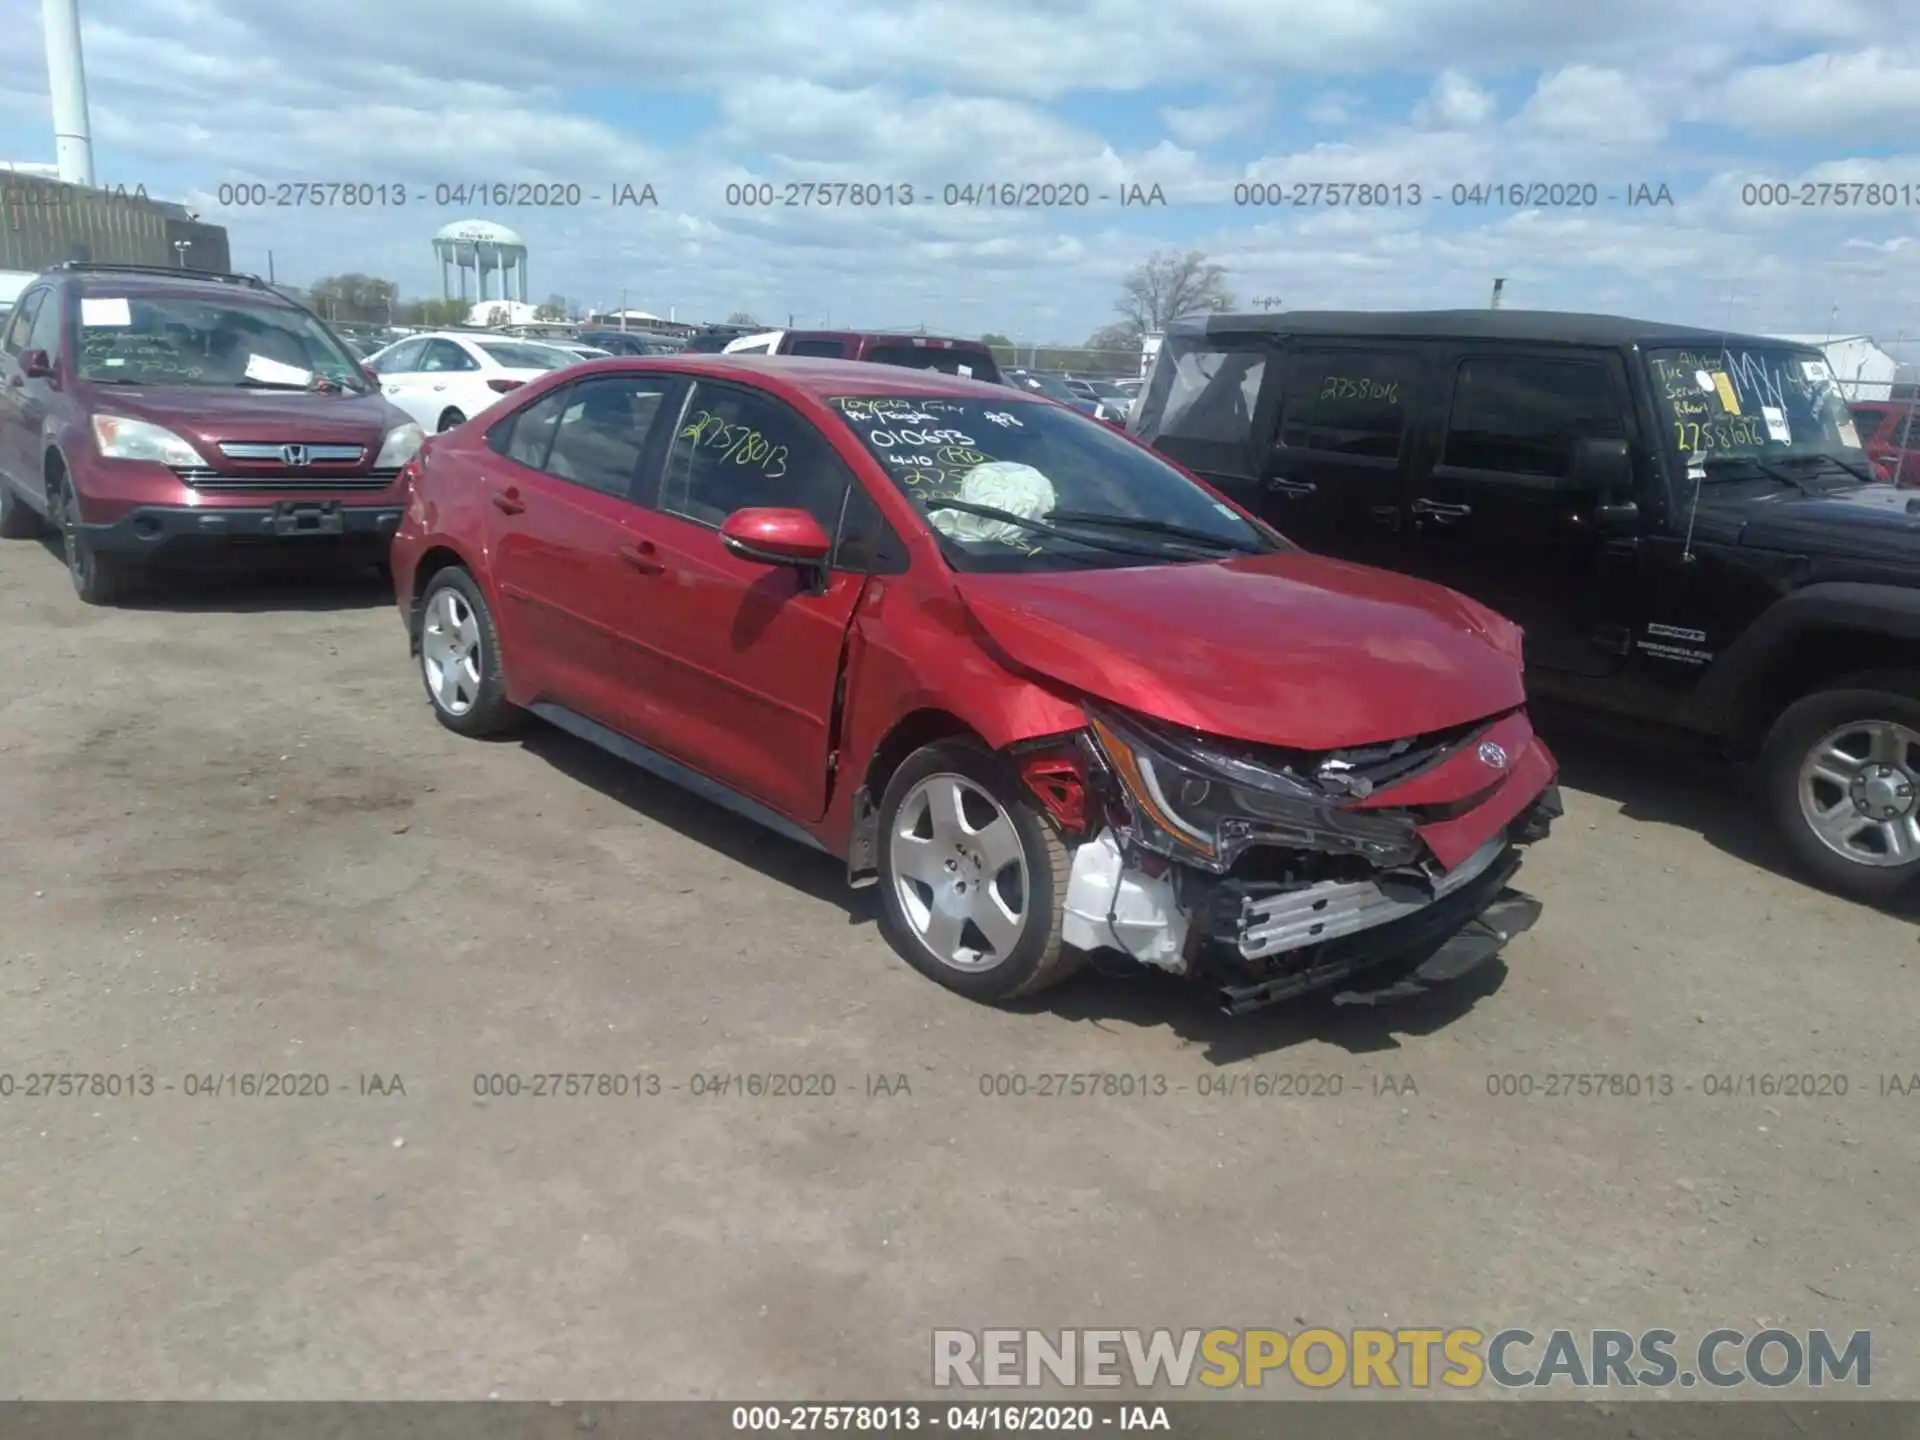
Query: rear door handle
[[1440, 509], [1292, 489], [508, 502], [642, 557]]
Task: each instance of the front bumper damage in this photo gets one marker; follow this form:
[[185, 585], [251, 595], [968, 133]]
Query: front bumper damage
[[1367, 919]]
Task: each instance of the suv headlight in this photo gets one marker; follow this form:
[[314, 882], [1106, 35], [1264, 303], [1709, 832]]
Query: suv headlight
[[119, 438], [403, 442], [1205, 806]]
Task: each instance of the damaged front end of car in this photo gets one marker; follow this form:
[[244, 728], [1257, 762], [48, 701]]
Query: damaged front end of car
[[1269, 873]]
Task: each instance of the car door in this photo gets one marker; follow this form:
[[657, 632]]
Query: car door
[[1492, 515], [1335, 473], [16, 440], [452, 384], [35, 394], [751, 653], [401, 381], [573, 577]]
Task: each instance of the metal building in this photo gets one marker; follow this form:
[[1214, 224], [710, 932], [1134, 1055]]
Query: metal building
[[45, 221], [479, 249]]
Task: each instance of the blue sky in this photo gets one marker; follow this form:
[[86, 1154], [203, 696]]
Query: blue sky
[[188, 95]]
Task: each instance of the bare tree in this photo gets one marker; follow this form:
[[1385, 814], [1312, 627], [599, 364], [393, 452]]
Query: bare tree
[[1169, 285], [554, 309], [741, 317]]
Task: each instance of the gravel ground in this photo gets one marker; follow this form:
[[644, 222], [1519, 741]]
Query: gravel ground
[[233, 841]]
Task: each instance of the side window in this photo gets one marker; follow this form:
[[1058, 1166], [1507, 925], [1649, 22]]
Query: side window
[[403, 359], [21, 322], [821, 349], [444, 355], [1213, 395], [45, 334], [866, 543], [1346, 402], [737, 449], [526, 435], [601, 431], [1522, 416]]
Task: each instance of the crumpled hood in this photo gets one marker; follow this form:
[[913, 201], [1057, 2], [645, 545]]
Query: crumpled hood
[[1285, 649]]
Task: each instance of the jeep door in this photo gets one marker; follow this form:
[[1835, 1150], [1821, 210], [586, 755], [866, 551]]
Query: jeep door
[[1495, 508]]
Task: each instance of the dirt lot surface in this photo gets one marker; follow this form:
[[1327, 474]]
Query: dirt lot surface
[[234, 842]]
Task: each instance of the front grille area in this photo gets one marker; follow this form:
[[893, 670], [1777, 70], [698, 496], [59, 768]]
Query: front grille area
[[312, 478], [294, 454]]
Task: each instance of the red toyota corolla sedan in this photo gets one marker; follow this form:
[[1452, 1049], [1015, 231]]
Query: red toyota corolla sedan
[[1049, 691]]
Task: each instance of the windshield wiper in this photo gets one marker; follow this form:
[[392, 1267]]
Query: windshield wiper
[[1859, 472], [994, 512], [1158, 527], [1754, 462]]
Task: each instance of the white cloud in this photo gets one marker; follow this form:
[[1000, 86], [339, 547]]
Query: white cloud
[[1454, 103], [1587, 105], [1867, 97], [1202, 125]]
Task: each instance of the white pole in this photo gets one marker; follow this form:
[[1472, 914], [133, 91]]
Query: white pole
[[67, 79]]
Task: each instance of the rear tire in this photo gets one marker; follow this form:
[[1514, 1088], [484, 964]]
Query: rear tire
[[18, 520], [973, 880], [459, 654], [449, 419], [1841, 772], [97, 579]]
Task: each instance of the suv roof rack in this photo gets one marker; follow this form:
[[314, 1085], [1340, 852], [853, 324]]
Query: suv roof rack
[[96, 267]]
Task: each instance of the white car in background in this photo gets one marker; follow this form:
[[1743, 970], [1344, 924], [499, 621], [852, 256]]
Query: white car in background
[[446, 377]]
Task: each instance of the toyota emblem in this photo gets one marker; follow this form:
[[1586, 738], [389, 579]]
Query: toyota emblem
[[1492, 756], [295, 456]]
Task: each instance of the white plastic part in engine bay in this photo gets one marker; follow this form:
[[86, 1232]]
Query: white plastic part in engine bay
[[1111, 906]]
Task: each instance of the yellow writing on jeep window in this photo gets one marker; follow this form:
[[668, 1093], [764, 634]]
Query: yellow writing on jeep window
[[1728, 433], [1358, 387]]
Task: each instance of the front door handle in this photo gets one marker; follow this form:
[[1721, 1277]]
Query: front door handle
[[1440, 509], [1292, 489], [508, 502], [642, 557]]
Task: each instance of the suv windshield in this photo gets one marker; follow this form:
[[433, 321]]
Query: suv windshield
[[207, 341], [1747, 402], [1013, 485]]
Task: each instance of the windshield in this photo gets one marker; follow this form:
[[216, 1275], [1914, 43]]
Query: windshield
[[1091, 498], [524, 356], [1746, 402], [214, 342]]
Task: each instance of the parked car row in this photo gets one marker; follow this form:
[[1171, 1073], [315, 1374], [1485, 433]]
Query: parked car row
[[1049, 691], [1687, 524]]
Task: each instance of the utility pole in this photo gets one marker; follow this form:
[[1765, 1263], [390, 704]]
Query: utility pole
[[1268, 302]]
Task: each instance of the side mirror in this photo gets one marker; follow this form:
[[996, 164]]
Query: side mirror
[[36, 365], [776, 536], [370, 375], [1603, 468]]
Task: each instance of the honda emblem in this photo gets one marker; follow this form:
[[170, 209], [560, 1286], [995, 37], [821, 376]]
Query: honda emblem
[[1492, 756], [294, 456]]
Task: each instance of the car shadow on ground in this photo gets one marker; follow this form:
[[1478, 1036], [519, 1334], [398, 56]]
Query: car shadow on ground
[[1107, 991], [238, 588], [1655, 783]]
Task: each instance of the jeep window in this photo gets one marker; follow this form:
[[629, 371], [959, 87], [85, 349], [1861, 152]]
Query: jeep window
[[1521, 416], [1750, 401], [210, 342], [1346, 402], [1211, 392], [1097, 499]]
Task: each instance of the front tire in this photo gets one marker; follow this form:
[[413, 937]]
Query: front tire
[[973, 879], [97, 579], [1841, 770], [459, 655], [17, 518]]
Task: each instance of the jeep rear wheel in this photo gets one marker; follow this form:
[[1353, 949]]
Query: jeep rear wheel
[[973, 880], [1842, 773]]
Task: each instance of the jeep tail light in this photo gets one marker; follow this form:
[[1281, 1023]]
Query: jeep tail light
[[501, 387]]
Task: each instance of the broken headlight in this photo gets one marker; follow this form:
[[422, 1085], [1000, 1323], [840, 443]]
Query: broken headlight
[[1196, 800]]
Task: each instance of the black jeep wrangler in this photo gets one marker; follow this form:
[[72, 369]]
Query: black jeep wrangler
[[1684, 522]]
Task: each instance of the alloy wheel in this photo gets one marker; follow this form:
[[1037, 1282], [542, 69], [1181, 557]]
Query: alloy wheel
[[960, 872], [450, 651], [1860, 792]]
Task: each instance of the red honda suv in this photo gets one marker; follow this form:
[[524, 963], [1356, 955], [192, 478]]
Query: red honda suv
[[155, 415], [1049, 691]]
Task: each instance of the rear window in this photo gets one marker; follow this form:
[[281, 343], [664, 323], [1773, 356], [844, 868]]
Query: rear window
[[525, 357], [819, 349], [948, 360], [1204, 390]]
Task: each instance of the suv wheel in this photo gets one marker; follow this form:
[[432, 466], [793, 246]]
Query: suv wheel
[[97, 579], [449, 419], [17, 518], [973, 880], [1842, 773], [460, 657]]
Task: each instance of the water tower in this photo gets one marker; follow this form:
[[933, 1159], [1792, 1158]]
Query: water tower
[[480, 249]]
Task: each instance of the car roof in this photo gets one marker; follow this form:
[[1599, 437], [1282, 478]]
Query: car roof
[[937, 342], [143, 284], [1558, 327], [820, 379]]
